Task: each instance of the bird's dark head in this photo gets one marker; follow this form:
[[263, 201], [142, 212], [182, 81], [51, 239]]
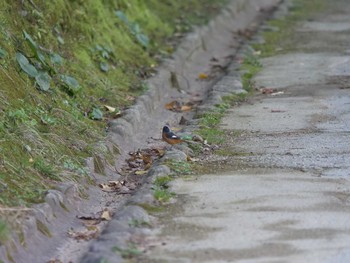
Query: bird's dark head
[[166, 129]]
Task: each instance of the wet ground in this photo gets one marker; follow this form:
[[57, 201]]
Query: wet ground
[[286, 196]]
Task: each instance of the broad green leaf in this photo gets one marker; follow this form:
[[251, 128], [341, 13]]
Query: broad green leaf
[[3, 53], [105, 54], [96, 114], [99, 47], [40, 57], [104, 66], [122, 17], [135, 28], [35, 48], [60, 40], [43, 81], [56, 59], [30, 41], [71, 83], [25, 65], [143, 39]]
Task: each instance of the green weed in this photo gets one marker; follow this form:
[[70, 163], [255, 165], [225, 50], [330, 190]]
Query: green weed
[[178, 168], [163, 195]]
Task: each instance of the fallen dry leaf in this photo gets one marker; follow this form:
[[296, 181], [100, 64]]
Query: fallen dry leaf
[[277, 93], [186, 108], [109, 108], [147, 158], [130, 98], [106, 215], [112, 186], [174, 105], [203, 76], [267, 90], [90, 233], [140, 172]]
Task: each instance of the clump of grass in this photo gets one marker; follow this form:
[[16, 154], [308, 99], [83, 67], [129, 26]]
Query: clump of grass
[[178, 168], [160, 191], [250, 66], [130, 252], [163, 195], [209, 126]]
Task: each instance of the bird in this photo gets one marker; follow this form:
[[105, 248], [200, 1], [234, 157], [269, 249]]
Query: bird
[[170, 137]]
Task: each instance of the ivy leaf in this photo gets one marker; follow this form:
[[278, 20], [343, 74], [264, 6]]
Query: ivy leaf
[[43, 81], [71, 83], [104, 66], [26, 66], [96, 114]]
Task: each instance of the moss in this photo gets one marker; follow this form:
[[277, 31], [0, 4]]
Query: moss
[[43, 228]]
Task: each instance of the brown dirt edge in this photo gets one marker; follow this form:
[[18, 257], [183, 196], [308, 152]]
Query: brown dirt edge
[[141, 121]]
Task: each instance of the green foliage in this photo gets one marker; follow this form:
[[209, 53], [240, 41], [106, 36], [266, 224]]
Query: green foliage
[[160, 191], [71, 84], [162, 195], [251, 66], [162, 182], [26, 66], [46, 169], [96, 114], [134, 29], [43, 81], [179, 167]]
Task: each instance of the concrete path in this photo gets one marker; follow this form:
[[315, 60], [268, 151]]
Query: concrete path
[[284, 195]]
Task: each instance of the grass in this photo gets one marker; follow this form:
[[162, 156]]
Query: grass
[[88, 57], [250, 66], [160, 189]]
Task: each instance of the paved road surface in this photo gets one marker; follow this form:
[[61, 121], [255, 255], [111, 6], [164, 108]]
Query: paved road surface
[[286, 194]]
